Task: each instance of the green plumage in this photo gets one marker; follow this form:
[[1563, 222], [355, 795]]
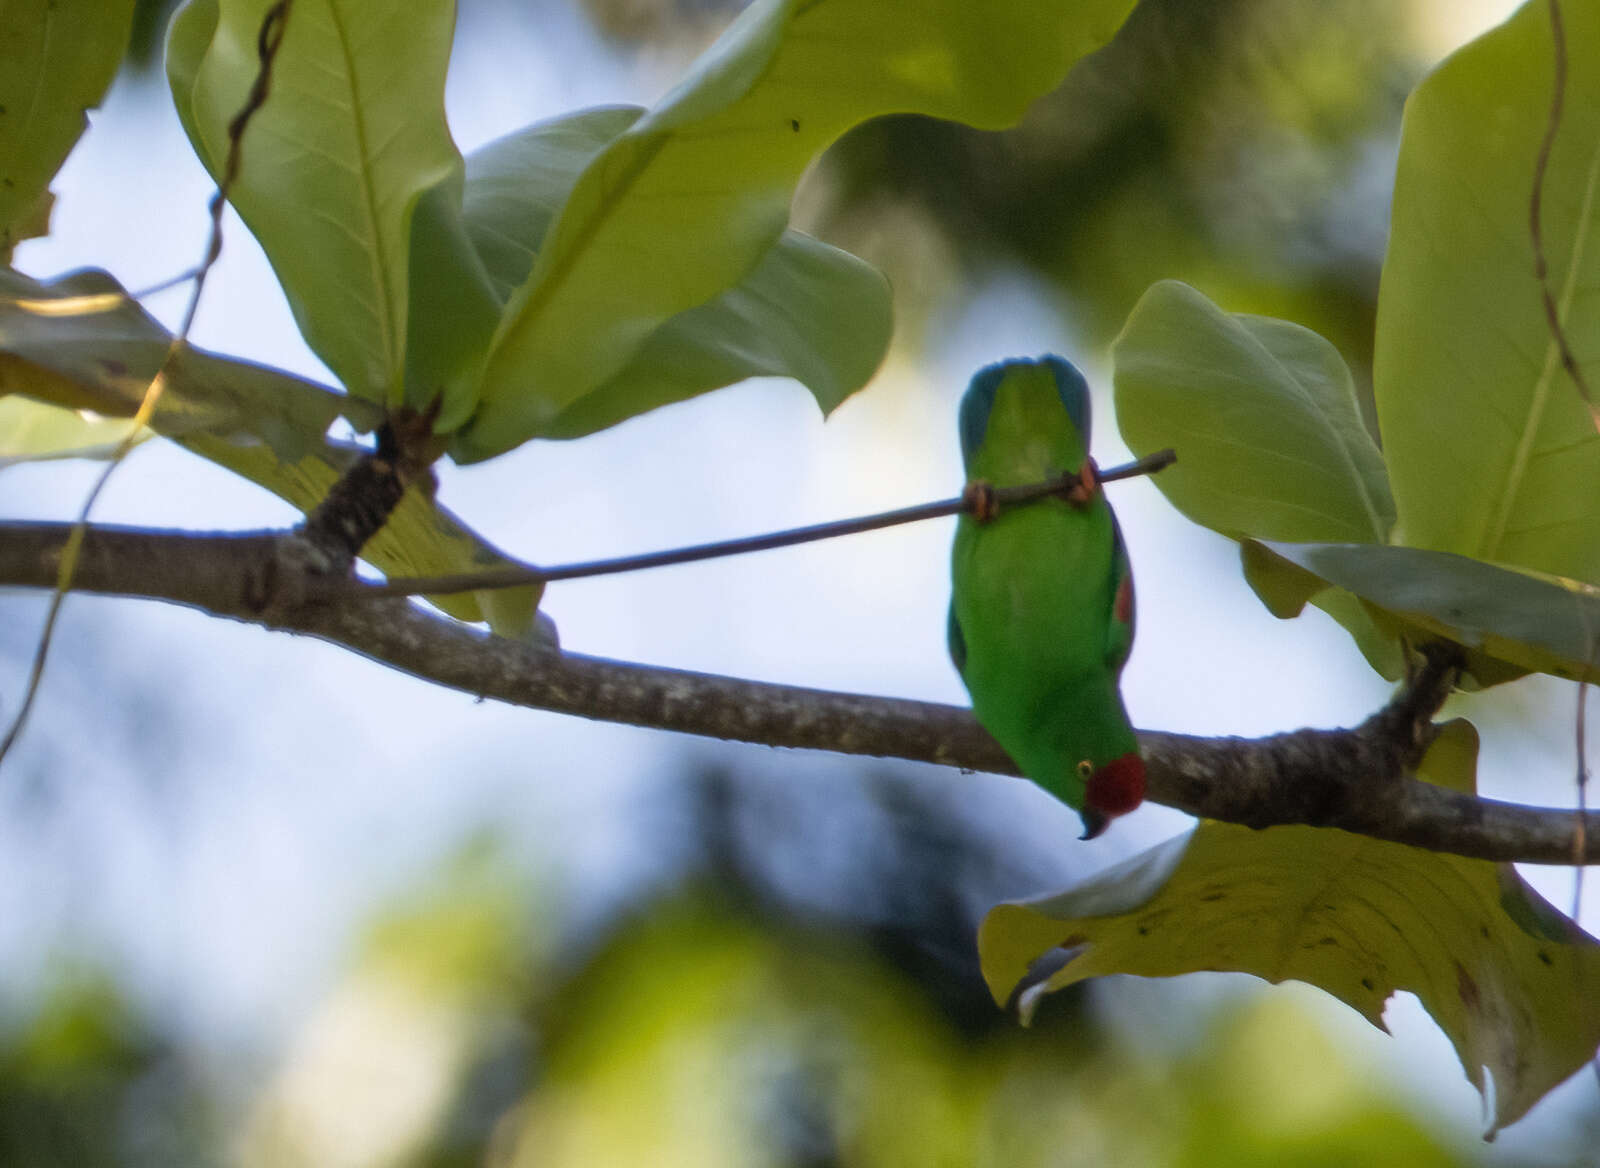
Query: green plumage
[[1041, 615]]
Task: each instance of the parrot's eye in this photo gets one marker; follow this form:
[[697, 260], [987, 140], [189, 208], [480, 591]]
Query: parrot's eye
[[1085, 769]]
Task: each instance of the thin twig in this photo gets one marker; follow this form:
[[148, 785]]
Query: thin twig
[[1541, 269], [520, 575], [1579, 842], [1558, 335], [268, 41], [170, 282]]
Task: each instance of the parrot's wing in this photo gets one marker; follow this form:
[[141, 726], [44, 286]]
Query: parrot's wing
[[957, 641], [1119, 629]]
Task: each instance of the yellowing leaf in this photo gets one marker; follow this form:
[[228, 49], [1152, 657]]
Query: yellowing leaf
[[31, 431], [1511, 982], [81, 343]]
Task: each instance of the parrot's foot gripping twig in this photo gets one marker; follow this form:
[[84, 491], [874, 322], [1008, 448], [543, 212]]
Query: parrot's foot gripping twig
[[980, 500], [1082, 492]]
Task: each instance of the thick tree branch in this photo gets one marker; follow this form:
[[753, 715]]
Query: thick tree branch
[[1356, 779]]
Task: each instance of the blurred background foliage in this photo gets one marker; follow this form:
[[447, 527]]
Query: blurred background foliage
[[795, 984], [735, 1013]]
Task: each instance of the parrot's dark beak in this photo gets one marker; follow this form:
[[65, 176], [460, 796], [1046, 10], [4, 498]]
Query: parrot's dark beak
[[1094, 822]]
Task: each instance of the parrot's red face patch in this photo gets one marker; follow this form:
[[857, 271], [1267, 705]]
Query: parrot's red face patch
[[1118, 787]]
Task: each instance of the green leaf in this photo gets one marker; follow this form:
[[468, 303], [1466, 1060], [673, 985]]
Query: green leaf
[[1511, 620], [516, 184], [1491, 452], [1262, 414], [1269, 438], [31, 431], [453, 310], [1512, 983], [807, 311], [333, 164], [691, 197], [57, 58]]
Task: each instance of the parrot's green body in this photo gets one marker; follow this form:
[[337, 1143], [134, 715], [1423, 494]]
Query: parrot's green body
[[1041, 614]]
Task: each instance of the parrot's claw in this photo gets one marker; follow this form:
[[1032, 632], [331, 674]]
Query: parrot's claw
[[979, 500], [1082, 492]]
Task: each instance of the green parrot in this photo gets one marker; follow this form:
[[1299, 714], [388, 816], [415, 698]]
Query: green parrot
[[1041, 612]]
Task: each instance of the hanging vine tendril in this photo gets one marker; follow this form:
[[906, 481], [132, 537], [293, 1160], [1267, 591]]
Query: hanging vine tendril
[[268, 40]]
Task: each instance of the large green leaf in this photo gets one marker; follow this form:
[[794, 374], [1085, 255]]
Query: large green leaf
[[57, 57], [1491, 452], [690, 198], [1512, 982], [807, 310], [1511, 620], [333, 164], [1269, 438], [516, 184], [1263, 416]]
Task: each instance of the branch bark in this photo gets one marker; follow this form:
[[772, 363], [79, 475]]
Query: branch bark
[[1356, 779]]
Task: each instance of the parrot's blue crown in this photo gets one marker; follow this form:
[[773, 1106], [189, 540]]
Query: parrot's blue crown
[[978, 401]]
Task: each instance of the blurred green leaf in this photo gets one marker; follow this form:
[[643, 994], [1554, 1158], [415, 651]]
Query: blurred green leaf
[[31, 431], [1270, 441], [688, 199], [1491, 452], [57, 58], [333, 163], [432, 991], [1513, 984], [81, 343], [1510, 620]]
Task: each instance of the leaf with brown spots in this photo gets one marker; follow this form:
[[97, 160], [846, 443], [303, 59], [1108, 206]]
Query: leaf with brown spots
[[1512, 982]]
